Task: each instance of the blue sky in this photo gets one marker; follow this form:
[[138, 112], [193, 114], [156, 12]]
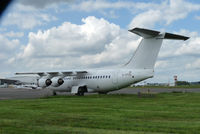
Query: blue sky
[[68, 34]]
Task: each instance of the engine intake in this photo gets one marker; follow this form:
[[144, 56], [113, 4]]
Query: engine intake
[[57, 81], [48, 82], [43, 82], [60, 81]]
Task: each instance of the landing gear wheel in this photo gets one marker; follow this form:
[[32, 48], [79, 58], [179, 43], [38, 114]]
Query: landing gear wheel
[[54, 93], [80, 93], [102, 92]]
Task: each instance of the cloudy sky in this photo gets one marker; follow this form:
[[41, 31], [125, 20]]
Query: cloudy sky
[[50, 35]]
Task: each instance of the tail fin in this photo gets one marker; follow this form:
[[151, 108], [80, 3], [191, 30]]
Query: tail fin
[[148, 49]]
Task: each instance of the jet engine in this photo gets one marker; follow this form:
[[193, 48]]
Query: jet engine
[[44, 82], [57, 81]]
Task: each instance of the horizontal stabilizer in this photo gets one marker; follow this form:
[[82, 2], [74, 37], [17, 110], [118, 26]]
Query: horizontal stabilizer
[[175, 36], [146, 33]]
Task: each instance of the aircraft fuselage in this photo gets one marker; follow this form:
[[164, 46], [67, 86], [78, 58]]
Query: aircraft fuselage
[[104, 80]]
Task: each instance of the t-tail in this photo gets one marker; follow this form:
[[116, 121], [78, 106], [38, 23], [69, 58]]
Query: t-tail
[[147, 52]]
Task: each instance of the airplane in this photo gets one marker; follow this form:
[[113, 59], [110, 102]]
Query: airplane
[[138, 68]]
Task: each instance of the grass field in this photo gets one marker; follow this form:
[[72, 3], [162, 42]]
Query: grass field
[[181, 86], [102, 114]]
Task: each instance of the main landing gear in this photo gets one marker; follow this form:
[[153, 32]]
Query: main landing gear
[[81, 91], [103, 92], [54, 93]]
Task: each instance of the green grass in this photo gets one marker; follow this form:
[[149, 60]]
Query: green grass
[[102, 114], [181, 86]]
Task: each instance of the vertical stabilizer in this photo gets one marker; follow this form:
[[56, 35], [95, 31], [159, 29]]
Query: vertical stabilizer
[[147, 52]]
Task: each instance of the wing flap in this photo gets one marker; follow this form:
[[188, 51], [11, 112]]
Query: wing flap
[[32, 73]]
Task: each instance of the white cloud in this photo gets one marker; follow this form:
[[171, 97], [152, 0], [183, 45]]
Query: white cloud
[[27, 20], [70, 39], [7, 45], [40, 4], [152, 13], [166, 12], [110, 14], [146, 19], [161, 64], [102, 4], [191, 48], [8, 49], [197, 17], [193, 65], [178, 9], [95, 43], [14, 34], [26, 17]]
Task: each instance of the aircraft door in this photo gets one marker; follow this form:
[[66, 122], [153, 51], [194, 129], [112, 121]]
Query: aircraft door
[[115, 78]]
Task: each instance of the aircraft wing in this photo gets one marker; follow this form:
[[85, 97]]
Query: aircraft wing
[[65, 73], [74, 72], [30, 73]]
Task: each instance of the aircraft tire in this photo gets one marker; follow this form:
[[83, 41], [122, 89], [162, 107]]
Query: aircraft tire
[[102, 92], [54, 93]]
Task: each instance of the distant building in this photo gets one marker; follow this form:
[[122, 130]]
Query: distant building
[[172, 84], [195, 83], [9, 82], [157, 84], [25, 79], [175, 79]]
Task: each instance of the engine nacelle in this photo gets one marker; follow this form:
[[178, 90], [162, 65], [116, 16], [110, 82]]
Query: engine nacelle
[[44, 82], [57, 81]]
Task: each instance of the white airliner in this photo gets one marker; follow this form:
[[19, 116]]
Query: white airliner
[[139, 67]]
